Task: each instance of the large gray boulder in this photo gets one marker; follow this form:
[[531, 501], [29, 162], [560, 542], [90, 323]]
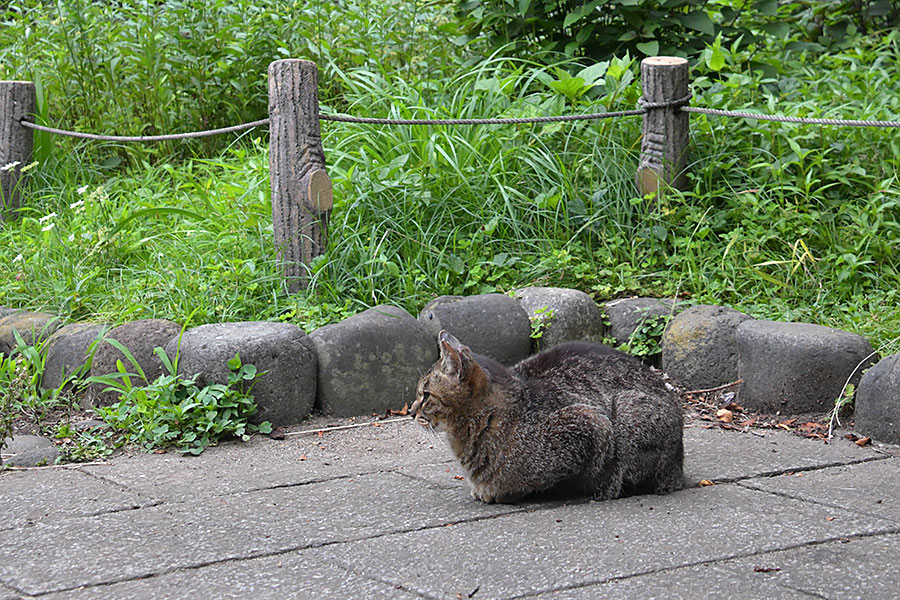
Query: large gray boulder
[[877, 408], [796, 367], [372, 361], [32, 326], [68, 350], [491, 324], [140, 337], [565, 315], [699, 349], [284, 355]]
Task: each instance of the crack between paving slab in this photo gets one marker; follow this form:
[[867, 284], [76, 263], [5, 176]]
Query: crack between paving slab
[[724, 559], [769, 474], [274, 553], [789, 496]]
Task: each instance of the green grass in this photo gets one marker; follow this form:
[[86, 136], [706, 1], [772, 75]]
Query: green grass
[[782, 221]]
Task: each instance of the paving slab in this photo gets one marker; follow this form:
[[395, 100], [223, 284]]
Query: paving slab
[[720, 455], [235, 467], [9, 594], [855, 568], [292, 575], [28, 497], [576, 545], [445, 474], [872, 488], [140, 543]]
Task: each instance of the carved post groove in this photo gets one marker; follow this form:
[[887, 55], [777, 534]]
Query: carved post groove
[[666, 129], [17, 100], [301, 189]]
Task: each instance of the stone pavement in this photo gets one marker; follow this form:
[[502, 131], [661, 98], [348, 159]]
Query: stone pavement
[[382, 512]]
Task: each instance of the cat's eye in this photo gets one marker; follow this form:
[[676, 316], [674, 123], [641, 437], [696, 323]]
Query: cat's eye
[[425, 395]]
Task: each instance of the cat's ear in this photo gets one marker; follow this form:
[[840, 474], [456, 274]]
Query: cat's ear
[[456, 359]]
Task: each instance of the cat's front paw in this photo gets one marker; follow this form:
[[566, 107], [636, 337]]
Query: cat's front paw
[[483, 495]]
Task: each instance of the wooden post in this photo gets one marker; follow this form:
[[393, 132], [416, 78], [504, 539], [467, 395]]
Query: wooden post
[[666, 129], [301, 189], [17, 100]]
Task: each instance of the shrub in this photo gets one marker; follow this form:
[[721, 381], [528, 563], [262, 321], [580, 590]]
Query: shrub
[[603, 28]]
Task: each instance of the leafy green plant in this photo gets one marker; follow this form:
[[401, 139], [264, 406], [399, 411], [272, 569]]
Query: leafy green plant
[[645, 340], [21, 396], [83, 446], [14, 383], [174, 410], [540, 321]]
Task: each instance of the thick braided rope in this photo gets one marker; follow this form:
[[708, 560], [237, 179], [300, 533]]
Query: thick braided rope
[[145, 138], [781, 119]]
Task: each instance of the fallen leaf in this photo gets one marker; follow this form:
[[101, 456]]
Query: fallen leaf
[[810, 427], [725, 415], [400, 413], [766, 569], [788, 422], [460, 477], [377, 425], [302, 457], [851, 436], [734, 407], [321, 434], [705, 483], [829, 518], [863, 441], [783, 426]]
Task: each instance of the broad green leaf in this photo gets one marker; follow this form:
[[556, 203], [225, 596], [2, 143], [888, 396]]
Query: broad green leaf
[[650, 48], [572, 17], [716, 60], [768, 8], [572, 88], [699, 21], [593, 73]]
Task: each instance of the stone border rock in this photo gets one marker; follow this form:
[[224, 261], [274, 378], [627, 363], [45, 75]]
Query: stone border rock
[[372, 361]]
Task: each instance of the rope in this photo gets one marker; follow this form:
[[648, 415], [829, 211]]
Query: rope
[[556, 119], [645, 106], [746, 115], [145, 138], [679, 102]]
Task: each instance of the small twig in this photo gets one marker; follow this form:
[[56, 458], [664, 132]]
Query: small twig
[[355, 425], [715, 389]]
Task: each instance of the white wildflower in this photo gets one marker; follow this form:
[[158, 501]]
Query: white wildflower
[[49, 226], [78, 204], [18, 258], [86, 235], [82, 189], [10, 166], [72, 237], [46, 217]]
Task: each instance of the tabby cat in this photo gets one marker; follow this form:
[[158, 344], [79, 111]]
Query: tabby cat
[[577, 419]]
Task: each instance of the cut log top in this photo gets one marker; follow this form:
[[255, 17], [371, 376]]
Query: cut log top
[[664, 61]]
